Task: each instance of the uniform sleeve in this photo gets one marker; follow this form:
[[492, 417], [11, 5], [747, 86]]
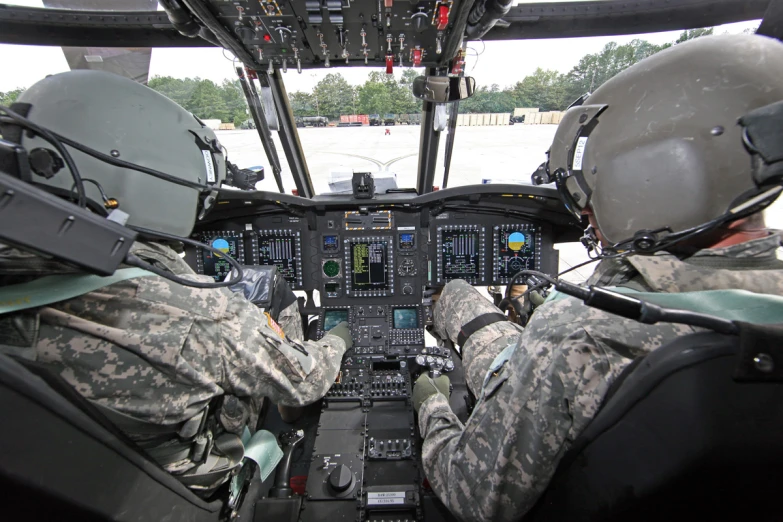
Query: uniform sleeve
[[290, 320], [499, 463], [260, 360]]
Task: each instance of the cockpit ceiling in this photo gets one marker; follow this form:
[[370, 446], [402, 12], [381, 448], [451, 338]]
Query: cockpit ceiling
[[96, 28]]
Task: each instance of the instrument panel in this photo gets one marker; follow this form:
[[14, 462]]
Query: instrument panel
[[354, 257], [373, 269]]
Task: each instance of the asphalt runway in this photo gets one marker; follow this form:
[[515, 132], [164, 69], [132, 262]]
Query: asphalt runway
[[501, 154]]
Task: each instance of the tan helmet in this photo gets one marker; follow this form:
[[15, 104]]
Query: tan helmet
[[658, 148], [127, 120]]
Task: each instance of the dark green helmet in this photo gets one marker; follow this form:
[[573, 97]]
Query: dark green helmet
[[658, 147], [129, 121]]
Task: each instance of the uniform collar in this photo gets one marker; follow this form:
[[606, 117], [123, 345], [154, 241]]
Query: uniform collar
[[751, 266]]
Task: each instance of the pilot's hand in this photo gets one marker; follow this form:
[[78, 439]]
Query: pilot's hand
[[343, 332], [426, 387]]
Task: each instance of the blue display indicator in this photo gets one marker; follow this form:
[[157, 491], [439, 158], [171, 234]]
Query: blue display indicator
[[407, 241]]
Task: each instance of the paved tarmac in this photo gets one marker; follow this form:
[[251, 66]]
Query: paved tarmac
[[502, 154]]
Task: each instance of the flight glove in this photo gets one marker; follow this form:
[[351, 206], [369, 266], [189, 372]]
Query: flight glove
[[426, 387], [343, 332]]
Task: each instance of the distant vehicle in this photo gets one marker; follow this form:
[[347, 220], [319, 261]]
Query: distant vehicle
[[414, 119], [389, 119], [248, 125], [313, 121], [375, 120], [518, 116], [353, 120]]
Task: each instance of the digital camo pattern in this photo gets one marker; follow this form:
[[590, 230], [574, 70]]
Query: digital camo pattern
[[497, 465], [290, 320], [159, 351], [460, 303]]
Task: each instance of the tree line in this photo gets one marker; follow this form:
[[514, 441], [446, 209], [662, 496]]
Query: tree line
[[546, 89], [380, 94]]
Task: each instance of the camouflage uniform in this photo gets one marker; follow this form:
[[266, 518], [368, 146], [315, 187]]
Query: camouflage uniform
[[529, 413], [159, 351]]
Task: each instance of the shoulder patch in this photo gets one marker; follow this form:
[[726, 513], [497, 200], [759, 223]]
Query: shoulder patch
[[274, 326]]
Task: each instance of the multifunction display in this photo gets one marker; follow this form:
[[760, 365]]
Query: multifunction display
[[211, 264], [332, 318], [281, 248], [405, 318], [515, 248], [461, 253], [369, 267]]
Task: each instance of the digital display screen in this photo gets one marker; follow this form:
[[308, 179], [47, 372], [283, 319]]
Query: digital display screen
[[281, 252], [407, 241], [331, 244], [406, 318], [460, 254], [368, 265], [332, 318], [216, 266], [516, 251]]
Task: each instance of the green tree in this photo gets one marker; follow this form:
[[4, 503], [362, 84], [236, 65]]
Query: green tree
[[694, 33], [7, 98], [335, 96], [303, 104], [234, 100], [544, 89], [374, 98]]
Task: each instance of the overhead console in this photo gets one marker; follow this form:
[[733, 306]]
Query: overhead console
[[307, 33]]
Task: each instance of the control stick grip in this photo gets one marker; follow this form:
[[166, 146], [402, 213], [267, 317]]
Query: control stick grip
[[282, 485]]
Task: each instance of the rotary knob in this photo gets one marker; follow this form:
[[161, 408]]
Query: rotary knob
[[407, 290], [420, 21], [341, 478], [285, 34]]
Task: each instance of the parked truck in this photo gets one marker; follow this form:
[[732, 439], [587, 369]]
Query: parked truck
[[409, 119], [375, 120], [312, 121], [389, 119]]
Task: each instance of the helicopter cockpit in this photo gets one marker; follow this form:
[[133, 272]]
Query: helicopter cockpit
[[364, 252]]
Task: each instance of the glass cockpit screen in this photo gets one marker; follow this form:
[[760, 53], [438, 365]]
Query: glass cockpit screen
[[460, 254], [217, 266], [516, 251], [368, 265], [405, 318], [332, 318], [280, 251]]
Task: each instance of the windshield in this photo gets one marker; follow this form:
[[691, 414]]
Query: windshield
[[361, 119]]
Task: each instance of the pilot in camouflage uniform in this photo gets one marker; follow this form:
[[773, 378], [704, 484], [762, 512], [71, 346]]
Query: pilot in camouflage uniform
[[148, 351], [532, 408], [160, 351]]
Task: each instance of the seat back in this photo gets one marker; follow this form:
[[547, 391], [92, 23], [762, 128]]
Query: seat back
[[59, 463], [678, 440]]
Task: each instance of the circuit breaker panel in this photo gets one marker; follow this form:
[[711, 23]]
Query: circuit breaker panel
[[290, 33]]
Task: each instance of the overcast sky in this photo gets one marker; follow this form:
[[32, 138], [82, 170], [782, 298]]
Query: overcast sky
[[489, 63]]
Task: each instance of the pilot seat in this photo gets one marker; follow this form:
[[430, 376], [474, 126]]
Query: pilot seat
[[678, 438]]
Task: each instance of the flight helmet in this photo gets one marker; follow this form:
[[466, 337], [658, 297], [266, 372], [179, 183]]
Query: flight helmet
[[128, 121], [660, 149]]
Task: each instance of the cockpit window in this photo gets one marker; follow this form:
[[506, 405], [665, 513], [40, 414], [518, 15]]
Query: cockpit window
[[90, 5], [359, 119]]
